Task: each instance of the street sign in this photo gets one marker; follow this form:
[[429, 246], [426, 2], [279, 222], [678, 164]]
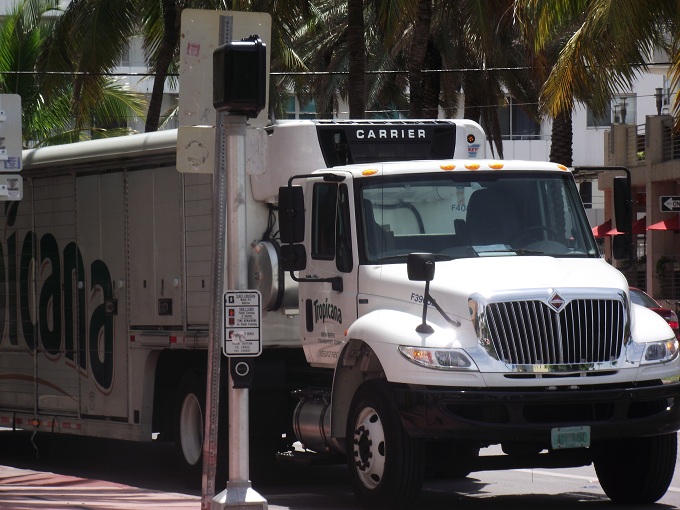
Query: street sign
[[202, 32], [10, 133], [11, 187], [242, 323], [669, 203]]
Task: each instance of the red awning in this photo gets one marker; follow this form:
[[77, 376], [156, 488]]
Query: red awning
[[639, 227], [669, 224], [601, 230]]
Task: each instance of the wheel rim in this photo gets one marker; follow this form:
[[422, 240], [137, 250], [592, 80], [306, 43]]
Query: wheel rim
[[369, 448], [191, 429]]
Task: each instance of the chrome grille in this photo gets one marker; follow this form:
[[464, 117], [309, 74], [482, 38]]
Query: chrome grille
[[532, 333]]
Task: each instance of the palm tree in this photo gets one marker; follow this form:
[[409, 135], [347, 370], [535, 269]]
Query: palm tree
[[48, 111], [97, 32], [322, 44], [483, 39], [607, 49], [413, 35], [105, 27]]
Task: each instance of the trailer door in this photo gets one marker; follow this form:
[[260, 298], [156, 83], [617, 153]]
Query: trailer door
[[155, 249], [101, 225], [57, 354]]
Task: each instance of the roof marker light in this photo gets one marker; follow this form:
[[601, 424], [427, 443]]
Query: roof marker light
[[496, 166], [370, 171], [447, 167], [562, 167], [472, 166]]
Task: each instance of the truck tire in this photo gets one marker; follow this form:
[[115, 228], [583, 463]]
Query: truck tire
[[637, 470], [189, 426], [386, 465]]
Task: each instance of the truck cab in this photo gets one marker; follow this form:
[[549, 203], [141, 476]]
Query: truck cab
[[463, 304], [486, 224]]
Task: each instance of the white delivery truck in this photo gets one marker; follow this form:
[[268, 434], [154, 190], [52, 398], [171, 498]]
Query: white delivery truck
[[422, 303]]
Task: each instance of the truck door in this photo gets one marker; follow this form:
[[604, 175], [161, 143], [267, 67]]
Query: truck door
[[325, 312]]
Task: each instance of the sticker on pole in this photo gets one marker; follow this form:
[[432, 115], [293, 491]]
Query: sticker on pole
[[242, 320]]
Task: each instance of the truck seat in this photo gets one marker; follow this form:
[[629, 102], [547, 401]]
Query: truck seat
[[491, 217], [378, 239]]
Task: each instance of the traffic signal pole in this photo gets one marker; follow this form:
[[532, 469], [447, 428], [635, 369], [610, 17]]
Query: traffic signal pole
[[240, 72], [239, 492]]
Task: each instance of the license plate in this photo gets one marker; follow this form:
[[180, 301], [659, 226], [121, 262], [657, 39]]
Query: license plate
[[570, 437]]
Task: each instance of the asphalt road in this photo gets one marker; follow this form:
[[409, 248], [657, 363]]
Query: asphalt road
[[55, 473]]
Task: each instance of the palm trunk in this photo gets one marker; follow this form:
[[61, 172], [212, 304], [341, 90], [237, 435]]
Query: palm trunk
[[171, 28], [357, 60], [431, 83], [416, 60], [561, 148]]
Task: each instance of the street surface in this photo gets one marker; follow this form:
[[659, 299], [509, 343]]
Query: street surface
[[66, 473]]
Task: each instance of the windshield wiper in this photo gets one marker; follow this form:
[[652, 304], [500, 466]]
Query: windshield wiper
[[404, 256], [516, 251]]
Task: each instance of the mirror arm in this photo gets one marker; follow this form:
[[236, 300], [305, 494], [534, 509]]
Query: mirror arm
[[335, 281], [424, 327]]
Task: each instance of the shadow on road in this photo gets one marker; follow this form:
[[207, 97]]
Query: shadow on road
[[285, 486]]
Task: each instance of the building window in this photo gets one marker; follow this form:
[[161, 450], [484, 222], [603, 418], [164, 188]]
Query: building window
[[125, 58], [295, 110], [585, 188], [621, 110], [516, 123], [603, 120], [390, 112]]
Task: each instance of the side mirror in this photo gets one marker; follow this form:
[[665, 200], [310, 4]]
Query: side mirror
[[420, 267], [622, 204], [293, 257], [291, 214], [622, 244]]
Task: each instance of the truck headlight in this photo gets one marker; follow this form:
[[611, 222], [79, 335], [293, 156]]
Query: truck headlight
[[443, 359], [658, 352]]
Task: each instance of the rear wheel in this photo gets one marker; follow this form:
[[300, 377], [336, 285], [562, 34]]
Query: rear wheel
[[637, 470], [189, 426], [386, 465]]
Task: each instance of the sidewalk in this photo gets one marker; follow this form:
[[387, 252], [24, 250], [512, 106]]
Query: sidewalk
[[22, 489]]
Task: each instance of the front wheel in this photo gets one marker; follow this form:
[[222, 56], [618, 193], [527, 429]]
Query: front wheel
[[386, 465], [637, 470]]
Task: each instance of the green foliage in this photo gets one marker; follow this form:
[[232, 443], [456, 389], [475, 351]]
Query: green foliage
[[52, 112]]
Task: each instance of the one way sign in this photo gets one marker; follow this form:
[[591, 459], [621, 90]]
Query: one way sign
[[669, 204]]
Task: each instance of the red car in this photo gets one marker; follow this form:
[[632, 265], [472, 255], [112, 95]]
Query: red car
[[640, 297]]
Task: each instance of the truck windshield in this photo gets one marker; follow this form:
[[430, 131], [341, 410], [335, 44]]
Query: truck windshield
[[457, 215]]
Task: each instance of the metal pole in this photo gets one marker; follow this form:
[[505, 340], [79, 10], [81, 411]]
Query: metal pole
[[237, 266], [216, 332], [239, 492]]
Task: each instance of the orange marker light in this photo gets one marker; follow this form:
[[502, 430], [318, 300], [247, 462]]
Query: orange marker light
[[447, 167], [472, 166], [496, 166], [370, 171]]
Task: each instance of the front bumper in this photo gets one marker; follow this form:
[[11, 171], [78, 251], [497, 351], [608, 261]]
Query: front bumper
[[495, 415]]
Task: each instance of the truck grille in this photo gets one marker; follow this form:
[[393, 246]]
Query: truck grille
[[531, 333]]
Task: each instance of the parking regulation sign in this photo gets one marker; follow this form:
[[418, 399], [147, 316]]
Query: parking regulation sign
[[669, 203], [242, 323]]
